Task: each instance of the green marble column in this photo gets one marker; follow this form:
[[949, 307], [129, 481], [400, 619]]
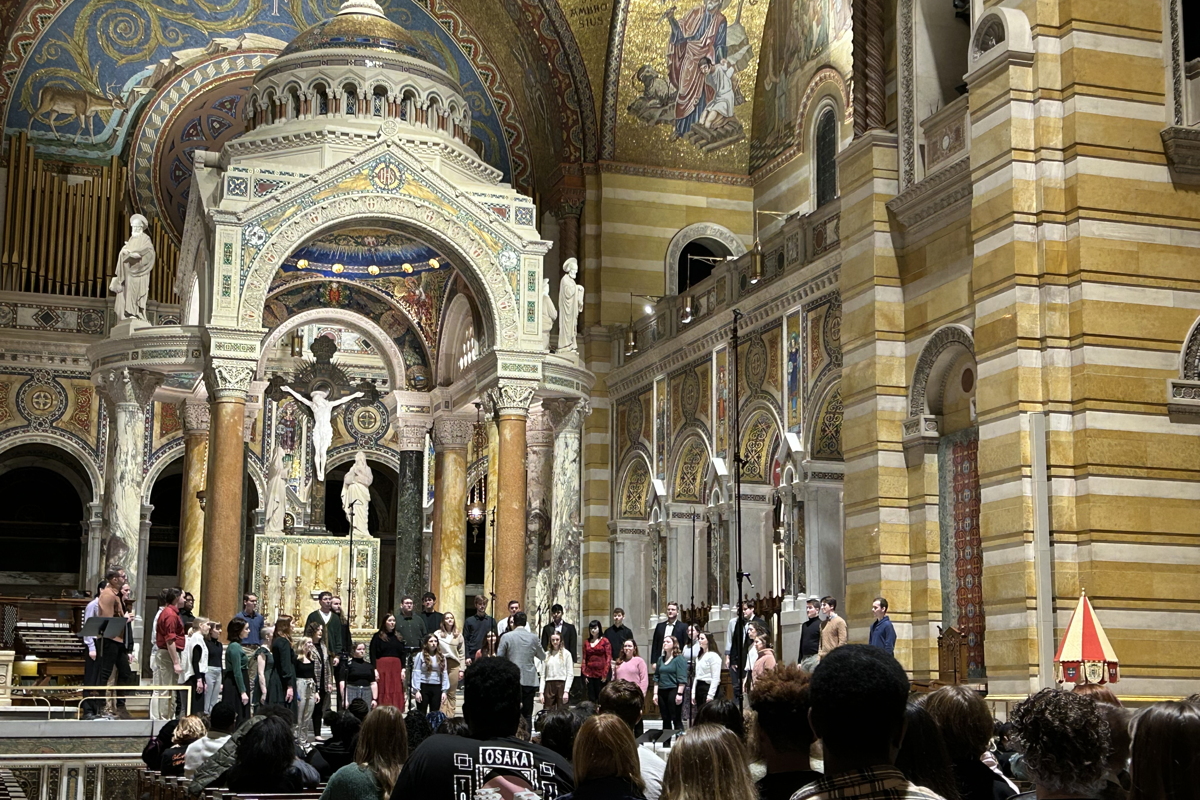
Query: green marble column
[[410, 514]]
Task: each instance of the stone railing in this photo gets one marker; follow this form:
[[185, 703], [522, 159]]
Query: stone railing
[[793, 245], [947, 135]]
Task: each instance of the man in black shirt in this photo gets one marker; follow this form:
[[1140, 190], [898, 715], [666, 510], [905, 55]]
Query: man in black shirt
[[477, 627], [810, 636], [445, 767], [671, 626], [566, 630], [433, 619], [617, 634]]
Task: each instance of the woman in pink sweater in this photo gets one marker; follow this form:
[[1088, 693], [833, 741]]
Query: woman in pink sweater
[[631, 667]]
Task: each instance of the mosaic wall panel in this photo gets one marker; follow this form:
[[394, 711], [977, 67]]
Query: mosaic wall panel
[[53, 405], [662, 427], [822, 340], [721, 402], [794, 411], [962, 551]]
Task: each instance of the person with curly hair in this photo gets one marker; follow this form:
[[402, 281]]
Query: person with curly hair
[[1065, 742], [780, 700], [1165, 756], [967, 727]]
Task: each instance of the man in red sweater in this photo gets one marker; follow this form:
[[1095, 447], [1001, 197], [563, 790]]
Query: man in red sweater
[[169, 637]]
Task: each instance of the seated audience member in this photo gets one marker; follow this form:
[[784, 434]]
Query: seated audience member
[[1165, 756], [418, 729], [1064, 740], [449, 767], [359, 708], [606, 761], [1098, 692], [159, 743], [214, 771], [338, 750], [266, 760], [454, 726], [726, 714], [708, 762], [187, 731], [625, 700], [1116, 769], [858, 697], [780, 703], [220, 727], [923, 757], [559, 729], [967, 726], [379, 756]]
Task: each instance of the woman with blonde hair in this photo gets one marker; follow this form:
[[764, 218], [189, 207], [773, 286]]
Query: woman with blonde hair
[[557, 675], [380, 755], [451, 645], [706, 762], [187, 731], [606, 761]]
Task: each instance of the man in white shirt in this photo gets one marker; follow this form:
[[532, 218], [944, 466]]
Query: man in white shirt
[[506, 624], [222, 722], [624, 699]]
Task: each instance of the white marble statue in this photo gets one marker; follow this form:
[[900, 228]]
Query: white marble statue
[[322, 410], [356, 494], [549, 312], [131, 284], [276, 492], [570, 303]]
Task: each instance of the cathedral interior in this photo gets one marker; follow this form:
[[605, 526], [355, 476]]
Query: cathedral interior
[[621, 303]]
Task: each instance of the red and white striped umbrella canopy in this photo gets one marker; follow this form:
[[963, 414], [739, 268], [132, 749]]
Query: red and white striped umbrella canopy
[[1085, 654]]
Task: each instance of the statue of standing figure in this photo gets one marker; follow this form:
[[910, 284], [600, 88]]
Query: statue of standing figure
[[322, 409], [549, 312], [135, 262], [276, 494], [570, 303], [356, 495]]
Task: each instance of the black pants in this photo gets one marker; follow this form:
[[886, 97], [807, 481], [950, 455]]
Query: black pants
[[113, 655], [319, 713], [431, 698], [701, 698], [672, 712], [737, 676], [197, 697], [527, 695], [594, 685]]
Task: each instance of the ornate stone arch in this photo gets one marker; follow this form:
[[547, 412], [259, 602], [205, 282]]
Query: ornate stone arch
[[165, 458], [698, 230], [762, 435], [690, 468], [74, 450], [387, 187], [826, 82], [458, 326], [349, 319], [944, 339], [634, 489]]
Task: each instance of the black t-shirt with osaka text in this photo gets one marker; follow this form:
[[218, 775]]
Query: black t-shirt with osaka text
[[455, 767]]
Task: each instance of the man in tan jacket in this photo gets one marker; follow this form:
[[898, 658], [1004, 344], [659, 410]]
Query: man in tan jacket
[[833, 628]]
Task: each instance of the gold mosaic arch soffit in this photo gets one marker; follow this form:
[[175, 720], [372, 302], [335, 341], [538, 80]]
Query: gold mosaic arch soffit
[[384, 184]]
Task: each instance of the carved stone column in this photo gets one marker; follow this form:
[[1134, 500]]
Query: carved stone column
[[568, 215], [410, 513], [228, 385], [509, 401], [567, 417], [448, 551], [126, 393], [539, 439], [195, 479]]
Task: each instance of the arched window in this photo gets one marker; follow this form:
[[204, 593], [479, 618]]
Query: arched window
[[825, 166], [378, 101], [350, 92], [322, 99]]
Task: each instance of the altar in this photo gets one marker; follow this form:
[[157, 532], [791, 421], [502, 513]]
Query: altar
[[291, 571]]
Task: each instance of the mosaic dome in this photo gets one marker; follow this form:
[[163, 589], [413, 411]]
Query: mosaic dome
[[358, 25]]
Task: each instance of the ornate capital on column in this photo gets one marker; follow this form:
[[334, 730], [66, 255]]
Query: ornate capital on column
[[566, 413], [412, 437], [451, 433], [509, 398], [227, 378], [123, 385], [195, 417]]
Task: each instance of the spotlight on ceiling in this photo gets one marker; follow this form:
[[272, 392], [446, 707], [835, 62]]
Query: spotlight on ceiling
[[374, 270], [338, 268]]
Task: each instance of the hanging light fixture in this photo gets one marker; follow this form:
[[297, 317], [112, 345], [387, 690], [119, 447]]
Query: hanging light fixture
[[630, 337], [685, 313], [476, 510], [756, 261]]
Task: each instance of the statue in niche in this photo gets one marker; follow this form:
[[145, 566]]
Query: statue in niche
[[549, 312], [356, 494], [276, 492], [570, 303], [135, 262], [322, 410]]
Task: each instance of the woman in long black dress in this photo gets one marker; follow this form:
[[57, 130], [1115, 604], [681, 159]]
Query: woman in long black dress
[[282, 687]]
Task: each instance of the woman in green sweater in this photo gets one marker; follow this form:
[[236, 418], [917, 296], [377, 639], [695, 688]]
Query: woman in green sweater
[[380, 755], [235, 687], [671, 674]]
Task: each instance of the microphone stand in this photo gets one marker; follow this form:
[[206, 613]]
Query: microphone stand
[[350, 570], [737, 502], [691, 646]]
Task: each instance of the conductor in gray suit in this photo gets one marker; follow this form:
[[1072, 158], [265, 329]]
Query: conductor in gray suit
[[520, 646]]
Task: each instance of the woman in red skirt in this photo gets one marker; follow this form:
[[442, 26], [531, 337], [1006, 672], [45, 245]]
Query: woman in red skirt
[[387, 654]]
